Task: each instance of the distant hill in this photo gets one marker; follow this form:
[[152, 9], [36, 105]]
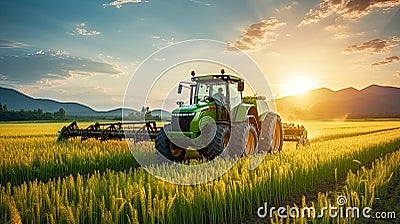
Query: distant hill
[[371, 102], [165, 115], [18, 101]]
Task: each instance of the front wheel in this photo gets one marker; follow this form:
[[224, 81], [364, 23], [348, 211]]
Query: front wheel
[[218, 144], [168, 149]]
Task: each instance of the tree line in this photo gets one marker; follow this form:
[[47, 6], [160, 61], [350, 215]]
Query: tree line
[[22, 115]]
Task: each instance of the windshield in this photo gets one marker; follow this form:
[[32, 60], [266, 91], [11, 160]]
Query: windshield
[[206, 90], [235, 98]]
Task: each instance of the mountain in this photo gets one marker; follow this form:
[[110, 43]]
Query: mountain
[[374, 101], [18, 101], [371, 102]]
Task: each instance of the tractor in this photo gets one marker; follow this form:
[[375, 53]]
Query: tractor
[[216, 112], [217, 122]]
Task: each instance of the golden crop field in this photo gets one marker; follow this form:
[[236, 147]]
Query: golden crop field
[[42, 181]]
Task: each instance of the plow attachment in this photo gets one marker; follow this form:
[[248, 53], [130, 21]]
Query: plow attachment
[[138, 131], [147, 130], [295, 133]]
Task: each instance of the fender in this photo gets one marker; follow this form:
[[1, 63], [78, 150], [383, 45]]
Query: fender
[[245, 112], [263, 115]]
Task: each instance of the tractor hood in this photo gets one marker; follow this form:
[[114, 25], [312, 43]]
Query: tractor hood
[[191, 108]]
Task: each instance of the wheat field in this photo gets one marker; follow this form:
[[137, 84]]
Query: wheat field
[[42, 181]]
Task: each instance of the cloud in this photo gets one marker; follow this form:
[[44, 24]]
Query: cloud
[[50, 67], [387, 60], [118, 3], [3, 77], [287, 7], [258, 34], [341, 31], [347, 9], [376, 46], [161, 42], [11, 44], [200, 2], [82, 30]]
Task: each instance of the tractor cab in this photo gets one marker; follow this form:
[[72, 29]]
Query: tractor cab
[[212, 95]]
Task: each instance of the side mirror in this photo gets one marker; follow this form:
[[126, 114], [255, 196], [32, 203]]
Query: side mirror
[[179, 103], [180, 89], [240, 86]]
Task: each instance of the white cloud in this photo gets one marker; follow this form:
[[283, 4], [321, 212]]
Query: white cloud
[[200, 2], [341, 31], [11, 44], [50, 68], [161, 42], [81, 29], [287, 7], [40, 52], [3, 77], [118, 3]]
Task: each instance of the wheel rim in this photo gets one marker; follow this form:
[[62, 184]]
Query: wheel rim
[[226, 141], [250, 144], [175, 151], [277, 138]]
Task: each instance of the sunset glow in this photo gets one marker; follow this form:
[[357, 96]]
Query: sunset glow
[[297, 85]]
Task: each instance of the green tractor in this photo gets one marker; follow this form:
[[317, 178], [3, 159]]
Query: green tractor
[[218, 123]]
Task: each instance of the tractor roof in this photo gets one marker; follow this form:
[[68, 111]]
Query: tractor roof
[[224, 77]]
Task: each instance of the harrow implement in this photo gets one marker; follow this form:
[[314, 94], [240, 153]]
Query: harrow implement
[[146, 131], [138, 131], [295, 133]]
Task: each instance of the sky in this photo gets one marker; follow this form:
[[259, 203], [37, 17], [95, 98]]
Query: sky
[[87, 51]]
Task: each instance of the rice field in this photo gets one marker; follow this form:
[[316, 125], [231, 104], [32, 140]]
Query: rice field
[[42, 181], [362, 188]]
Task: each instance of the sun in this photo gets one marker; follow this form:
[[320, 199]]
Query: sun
[[296, 85]]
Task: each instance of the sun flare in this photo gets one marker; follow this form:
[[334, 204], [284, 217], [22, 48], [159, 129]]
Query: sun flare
[[298, 85]]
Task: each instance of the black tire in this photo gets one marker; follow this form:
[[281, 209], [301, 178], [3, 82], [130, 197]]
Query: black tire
[[239, 145], [167, 148], [218, 144], [271, 134]]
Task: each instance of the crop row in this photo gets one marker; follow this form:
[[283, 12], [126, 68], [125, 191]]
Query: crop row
[[322, 131], [42, 158], [126, 197]]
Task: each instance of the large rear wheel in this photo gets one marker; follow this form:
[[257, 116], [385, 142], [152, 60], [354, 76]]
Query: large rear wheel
[[168, 149], [271, 134], [244, 140]]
